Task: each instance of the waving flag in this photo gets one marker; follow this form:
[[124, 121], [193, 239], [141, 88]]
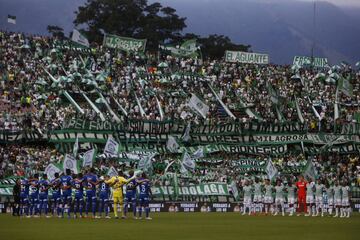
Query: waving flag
[[112, 148], [11, 19], [88, 158], [79, 38]]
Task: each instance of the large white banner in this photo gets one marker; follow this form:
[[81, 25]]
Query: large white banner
[[246, 57]]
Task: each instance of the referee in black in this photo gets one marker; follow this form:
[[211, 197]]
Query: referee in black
[[16, 195]]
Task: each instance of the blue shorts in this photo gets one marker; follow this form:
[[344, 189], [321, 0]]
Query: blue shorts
[[104, 196], [56, 197], [66, 196], [79, 197], [90, 195], [43, 197], [130, 197], [24, 199], [144, 200], [34, 198]]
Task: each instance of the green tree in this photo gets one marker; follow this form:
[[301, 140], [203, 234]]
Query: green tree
[[56, 31], [130, 18]]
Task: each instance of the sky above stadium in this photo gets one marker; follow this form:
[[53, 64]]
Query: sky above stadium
[[282, 28]]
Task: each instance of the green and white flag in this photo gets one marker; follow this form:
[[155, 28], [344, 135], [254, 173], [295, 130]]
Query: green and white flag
[[188, 162], [271, 170], [310, 172], [250, 112], [199, 153], [142, 112], [197, 105], [145, 163], [186, 137], [70, 163], [51, 169], [246, 57], [73, 102], [11, 19], [112, 148], [172, 145], [93, 106], [229, 113], [345, 86], [160, 108], [124, 43], [88, 158], [107, 105], [187, 49], [76, 147], [298, 110], [79, 38], [112, 172], [235, 190]]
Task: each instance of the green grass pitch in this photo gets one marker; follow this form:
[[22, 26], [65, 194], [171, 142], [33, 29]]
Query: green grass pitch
[[187, 226]]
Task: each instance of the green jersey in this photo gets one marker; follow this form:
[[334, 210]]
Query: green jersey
[[319, 188], [337, 192], [330, 192], [247, 191], [268, 190], [279, 191], [345, 192], [291, 192], [257, 189]]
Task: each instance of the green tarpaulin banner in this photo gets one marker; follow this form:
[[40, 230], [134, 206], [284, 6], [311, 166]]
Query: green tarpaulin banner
[[246, 57], [316, 61], [203, 189], [124, 43]]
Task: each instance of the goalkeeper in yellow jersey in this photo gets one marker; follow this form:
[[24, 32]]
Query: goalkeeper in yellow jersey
[[117, 184]]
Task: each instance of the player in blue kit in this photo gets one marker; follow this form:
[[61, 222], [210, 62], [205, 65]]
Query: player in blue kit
[[91, 181], [66, 198], [44, 186], [24, 197], [56, 195], [130, 196], [104, 196], [78, 186], [34, 195], [144, 196]]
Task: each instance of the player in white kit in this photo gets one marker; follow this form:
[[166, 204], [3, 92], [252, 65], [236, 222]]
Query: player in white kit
[[345, 201], [247, 197], [337, 198], [319, 189], [330, 198], [268, 198], [290, 189], [258, 198], [310, 197], [279, 198]]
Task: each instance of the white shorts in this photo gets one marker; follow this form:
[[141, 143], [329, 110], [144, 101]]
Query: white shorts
[[291, 200], [309, 199], [247, 200], [279, 200], [330, 201], [345, 202], [318, 200], [257, 198], [338, 202], [268, 200]]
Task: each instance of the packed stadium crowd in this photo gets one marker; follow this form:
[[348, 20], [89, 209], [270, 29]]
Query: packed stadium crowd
[[35, 71], [30, 99]]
